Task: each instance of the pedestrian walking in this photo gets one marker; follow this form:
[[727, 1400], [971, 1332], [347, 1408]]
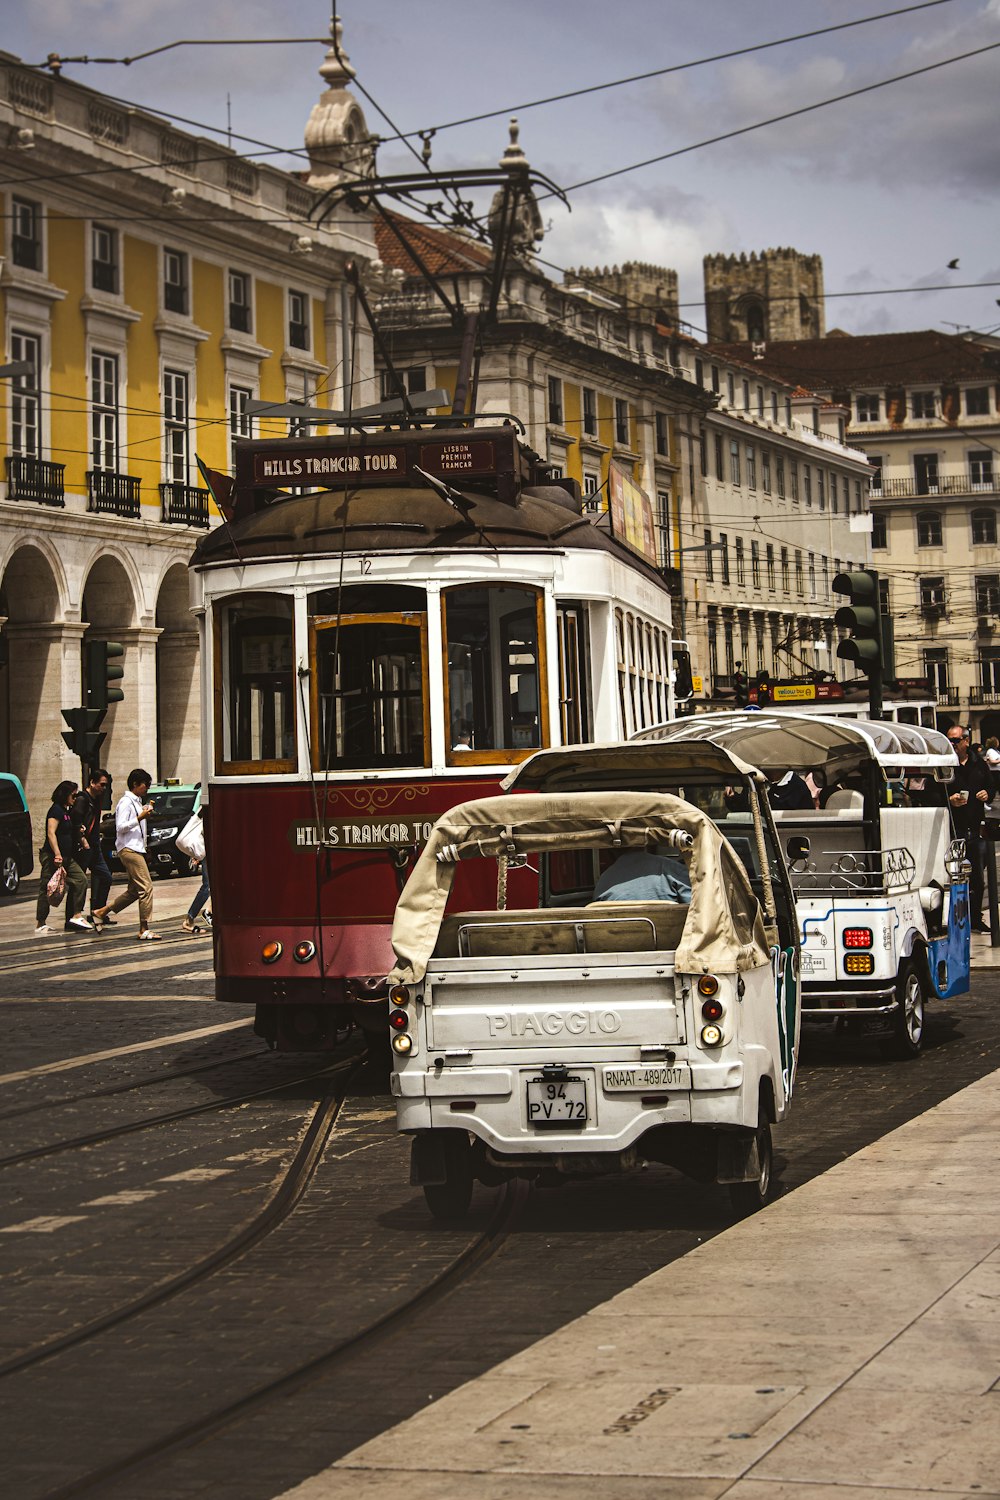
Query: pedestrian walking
[[87, 811], [58, 852], [968, 801], [202, 896], [130, 846]]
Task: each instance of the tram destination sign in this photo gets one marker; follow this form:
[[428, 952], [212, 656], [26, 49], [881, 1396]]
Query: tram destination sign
[[360, 833], [312, 465]]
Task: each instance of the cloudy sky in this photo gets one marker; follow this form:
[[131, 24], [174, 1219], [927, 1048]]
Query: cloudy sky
[[887, 187]]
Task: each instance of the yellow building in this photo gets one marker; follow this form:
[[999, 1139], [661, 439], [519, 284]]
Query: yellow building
[[152, 283]]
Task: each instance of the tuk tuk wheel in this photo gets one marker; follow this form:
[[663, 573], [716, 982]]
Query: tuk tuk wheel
[[748, 1197], [450, 1200], [908, 1022]]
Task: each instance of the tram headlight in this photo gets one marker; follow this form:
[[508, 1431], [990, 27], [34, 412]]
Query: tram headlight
[[403, 1043], [272, 951], [711, 1036], [304, 951]]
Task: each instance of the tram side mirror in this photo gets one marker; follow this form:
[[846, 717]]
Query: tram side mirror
[[797, 847]]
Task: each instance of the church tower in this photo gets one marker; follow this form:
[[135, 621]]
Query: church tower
[[764, 298]]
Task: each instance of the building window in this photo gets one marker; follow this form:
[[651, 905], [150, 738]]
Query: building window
[[662, 433], [746, 395], [104, 258], [989, 670], [984, 528], [555, 401], [239, 301], [800, 578], [774, 406], [807, 485], [175, 426], [834, 501], [785, 577], [741, 571], [879, 534], [591, 483], [923, 404], [709, 558], [760, 401], [769, 556], [720, 462], [621, 421], [298, 320], [727, 646], [936, 669], [932, 595], [929, 528], [825, 563], [868, 406], [175, 281], [981, 469], [793, 472], [699, 372], [240, 420], [925, 470], [25, 397], [779, 475], [765, 465], [734, 461], [751, 466], [104, 412], [812, 575], [977, 401], [988, 593], [26, 234], [788, 411], [755, 564], [859, 508], [412, 379], [821, 489], [715, 379], [589, 411], [731, 387], [724, 554]]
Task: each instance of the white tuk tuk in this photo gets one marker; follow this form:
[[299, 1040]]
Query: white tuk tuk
[[881, 884], [587, 1035]]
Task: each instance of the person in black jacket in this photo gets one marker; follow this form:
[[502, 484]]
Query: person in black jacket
[[87, 811], [968, 799]]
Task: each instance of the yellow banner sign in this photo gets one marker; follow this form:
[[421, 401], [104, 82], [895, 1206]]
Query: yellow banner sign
[[797, 692]]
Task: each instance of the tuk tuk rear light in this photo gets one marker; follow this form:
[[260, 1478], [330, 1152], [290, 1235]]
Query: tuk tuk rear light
[[271, 952], [711, 1036], [399, 1020], [858, 937], [712, 1010], [859, 963], [708, 985], [304, 951], [399, 994], [402, 1044]]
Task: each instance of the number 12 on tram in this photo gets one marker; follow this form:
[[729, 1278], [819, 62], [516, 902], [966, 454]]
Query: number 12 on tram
[[388, 623]]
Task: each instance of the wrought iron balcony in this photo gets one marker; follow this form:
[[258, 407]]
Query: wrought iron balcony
[[114, 494], [36, 479], [928, 489], [979, 696], [946, 697], [184, 505]]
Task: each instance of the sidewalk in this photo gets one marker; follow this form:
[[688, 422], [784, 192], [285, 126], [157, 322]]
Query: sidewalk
[[843, 1343]]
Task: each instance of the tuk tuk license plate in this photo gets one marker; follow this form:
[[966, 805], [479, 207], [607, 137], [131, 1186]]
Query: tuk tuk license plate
[[645, 1076], [557, 1103]]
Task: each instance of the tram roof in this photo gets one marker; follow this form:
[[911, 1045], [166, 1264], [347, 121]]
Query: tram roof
[[381, 519]]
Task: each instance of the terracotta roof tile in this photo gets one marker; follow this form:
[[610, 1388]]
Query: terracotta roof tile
[[443, 251], [879, 360]]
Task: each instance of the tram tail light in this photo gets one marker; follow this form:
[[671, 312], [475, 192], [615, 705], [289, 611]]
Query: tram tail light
[[858, 937], [859, 963], [304, 951], [272, 951]]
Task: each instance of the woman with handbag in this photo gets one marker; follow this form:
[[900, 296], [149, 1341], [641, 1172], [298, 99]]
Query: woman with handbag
[[191, 841], [58, 858]]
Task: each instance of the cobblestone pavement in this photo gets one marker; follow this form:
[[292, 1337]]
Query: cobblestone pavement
[[84, 1230]]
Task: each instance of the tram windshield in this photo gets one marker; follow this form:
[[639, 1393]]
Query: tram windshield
[[368, 686]]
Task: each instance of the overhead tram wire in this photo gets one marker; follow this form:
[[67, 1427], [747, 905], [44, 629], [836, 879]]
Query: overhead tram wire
[[700, 62], [55, 60]]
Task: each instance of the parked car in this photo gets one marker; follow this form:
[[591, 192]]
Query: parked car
[[17, 853], [173, 804]]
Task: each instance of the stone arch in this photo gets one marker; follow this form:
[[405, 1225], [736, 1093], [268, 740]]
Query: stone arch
[[178, 714], [40, 674], [109, 613]]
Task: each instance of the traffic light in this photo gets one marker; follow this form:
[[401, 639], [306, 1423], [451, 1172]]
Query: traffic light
[[84, 739], [863, 618], [100, 673]]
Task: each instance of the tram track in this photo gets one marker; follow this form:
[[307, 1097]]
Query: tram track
[[280, 1204], [31, 964], [511, 1199]]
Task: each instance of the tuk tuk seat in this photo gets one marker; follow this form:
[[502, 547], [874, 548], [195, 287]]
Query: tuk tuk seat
[[602, 927]]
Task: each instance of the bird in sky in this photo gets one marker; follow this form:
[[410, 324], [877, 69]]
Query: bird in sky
[[953, 265]]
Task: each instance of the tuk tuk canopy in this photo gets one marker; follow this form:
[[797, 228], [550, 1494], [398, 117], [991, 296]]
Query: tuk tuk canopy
[[724, 929]]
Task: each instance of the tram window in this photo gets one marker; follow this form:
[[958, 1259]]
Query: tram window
[[574, 674], [369, 685], [256, 721], [495, 679], [626, 727]]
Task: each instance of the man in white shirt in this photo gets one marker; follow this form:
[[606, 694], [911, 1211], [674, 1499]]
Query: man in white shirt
[[130, 846]]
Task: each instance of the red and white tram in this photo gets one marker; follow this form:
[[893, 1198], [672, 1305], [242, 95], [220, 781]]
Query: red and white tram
[[375, 651]]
